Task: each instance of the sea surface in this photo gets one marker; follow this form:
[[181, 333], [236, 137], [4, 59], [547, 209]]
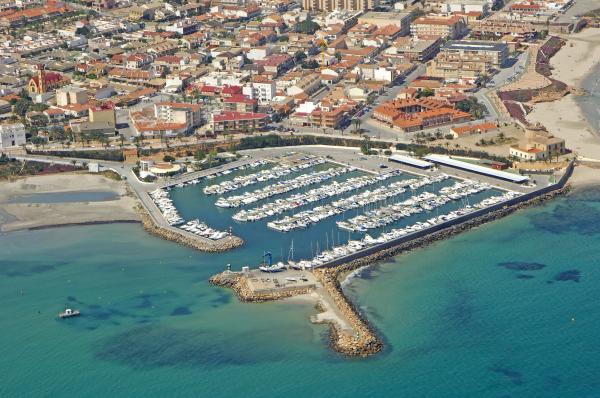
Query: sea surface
[[509, 309]]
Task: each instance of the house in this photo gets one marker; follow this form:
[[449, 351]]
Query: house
[[136, 61], [539, 145], [305, 85], [131, 75], [228, 122], [478, 128], [240, 103]]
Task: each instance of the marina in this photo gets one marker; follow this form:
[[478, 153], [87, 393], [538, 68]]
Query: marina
[[340, 203], [346, 211], [318, 194], [426, 201], [304, 180], [362, 206], [261, 176], [319, 213]]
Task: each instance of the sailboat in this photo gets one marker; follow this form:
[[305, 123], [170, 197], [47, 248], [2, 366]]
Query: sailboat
[[290, 259], [269, 267]]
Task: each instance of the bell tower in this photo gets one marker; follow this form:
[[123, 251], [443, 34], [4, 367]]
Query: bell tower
[[41, 78]]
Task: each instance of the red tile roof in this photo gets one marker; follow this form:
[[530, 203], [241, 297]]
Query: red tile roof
[[238, 116]]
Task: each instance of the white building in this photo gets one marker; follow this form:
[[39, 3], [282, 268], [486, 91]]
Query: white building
[[12, 135], [263, 92], [465, 6], [71, 95]]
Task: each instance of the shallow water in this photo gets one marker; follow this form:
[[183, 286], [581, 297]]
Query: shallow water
[[507, 309], [590, 103]]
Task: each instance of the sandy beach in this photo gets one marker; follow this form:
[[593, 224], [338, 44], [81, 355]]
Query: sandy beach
[[27, 215], [564, 118]]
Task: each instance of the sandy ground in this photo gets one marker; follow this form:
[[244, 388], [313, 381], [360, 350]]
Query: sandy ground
[[564, 118], [17, 216], [585, 176], [577, 57], [330, 315]]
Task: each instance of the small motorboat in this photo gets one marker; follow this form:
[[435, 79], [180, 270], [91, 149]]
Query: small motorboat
[[68, 313]]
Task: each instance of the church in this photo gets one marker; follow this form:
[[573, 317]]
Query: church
[[46, 81]]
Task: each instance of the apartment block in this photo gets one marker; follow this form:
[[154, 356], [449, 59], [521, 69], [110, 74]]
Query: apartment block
[[450, 27]]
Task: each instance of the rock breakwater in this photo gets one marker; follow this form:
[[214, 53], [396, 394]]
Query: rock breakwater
[[363, 340], [238, 283], [221, 245]]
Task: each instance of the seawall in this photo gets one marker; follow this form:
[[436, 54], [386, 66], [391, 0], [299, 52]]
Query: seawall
[[221, 245]]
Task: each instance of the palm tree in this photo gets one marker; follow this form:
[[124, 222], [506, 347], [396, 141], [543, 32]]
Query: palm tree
[[356, 123]]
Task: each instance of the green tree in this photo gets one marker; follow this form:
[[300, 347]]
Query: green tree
[[299, 56], [21, 107], [308, 27], [38, 141], [200, 155], [356, 123]]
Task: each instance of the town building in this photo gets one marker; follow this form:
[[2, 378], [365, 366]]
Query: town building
[[45, 82], [409, 49], [177, 112], [448, 27], [467, 61], [467, 6], [12, 135], [71, 95], [332, 5], [104, 113], [230, 122], [417, 114], [385, 18]]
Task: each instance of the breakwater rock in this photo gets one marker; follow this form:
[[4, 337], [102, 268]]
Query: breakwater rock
[[238, 283], [221, 245], [363, 340]]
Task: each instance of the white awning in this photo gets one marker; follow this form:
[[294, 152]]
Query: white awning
[[411, 161], [503, 175]]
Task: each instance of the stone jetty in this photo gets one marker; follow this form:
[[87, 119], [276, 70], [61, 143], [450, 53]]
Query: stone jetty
[[238, 282], [220, 245], [362, 340]]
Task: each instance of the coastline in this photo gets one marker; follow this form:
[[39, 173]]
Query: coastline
[[573, 64], [15, 216]]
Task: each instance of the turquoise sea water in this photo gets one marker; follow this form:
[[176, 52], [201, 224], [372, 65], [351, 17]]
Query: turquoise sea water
[[507, 310]]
